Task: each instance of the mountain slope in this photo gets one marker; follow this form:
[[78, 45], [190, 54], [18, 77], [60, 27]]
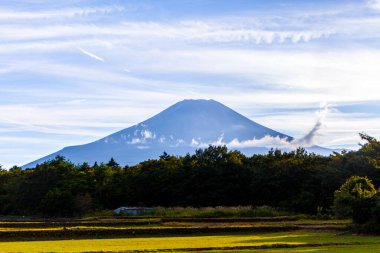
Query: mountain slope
[[179, 129]]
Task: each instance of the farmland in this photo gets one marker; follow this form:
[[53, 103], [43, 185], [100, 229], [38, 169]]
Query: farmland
[[285, 202], [183, 234]]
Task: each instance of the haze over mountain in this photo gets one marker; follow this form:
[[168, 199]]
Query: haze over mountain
[[180, 129]]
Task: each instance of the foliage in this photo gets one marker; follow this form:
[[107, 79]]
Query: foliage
[[295, 181], [355, 199], [371, 149], [220, 211]]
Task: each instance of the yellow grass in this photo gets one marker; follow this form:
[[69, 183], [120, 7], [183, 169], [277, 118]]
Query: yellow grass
[[181, 242], [132, 244]]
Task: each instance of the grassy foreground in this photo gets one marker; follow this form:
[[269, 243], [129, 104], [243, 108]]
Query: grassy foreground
[[327, 249], [182, 234], [266, 242]]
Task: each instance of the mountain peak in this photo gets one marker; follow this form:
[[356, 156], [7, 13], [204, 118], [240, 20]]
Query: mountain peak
[[198, 102], [179, 129]]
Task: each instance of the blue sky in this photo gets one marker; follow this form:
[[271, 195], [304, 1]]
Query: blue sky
[[75, 71]]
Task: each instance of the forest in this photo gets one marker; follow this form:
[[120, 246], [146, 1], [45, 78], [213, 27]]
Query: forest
[[295, 181]]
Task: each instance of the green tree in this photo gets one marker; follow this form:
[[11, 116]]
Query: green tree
[[113, 164], [355, 199], [57, 203], [371, 149]]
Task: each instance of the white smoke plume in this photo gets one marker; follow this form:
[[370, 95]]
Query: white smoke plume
[[309, 139]]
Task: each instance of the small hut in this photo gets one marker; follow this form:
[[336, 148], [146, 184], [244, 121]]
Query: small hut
[[132, 210]]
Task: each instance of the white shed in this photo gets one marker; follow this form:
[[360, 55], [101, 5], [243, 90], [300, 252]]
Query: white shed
[[132, 210]]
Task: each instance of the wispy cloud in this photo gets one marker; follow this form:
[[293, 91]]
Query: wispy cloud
[[374, 4], [186, 32], [8, 14], [286, 60], [91, 54]]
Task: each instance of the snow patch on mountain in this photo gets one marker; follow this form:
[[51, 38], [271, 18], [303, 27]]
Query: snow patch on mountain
[[182, 128]]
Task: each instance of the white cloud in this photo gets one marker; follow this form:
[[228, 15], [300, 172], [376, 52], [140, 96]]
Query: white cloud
[[178, 142], [136, 141], [7, 14], [266, 141], [94, 56], [194, 143], [260, 60], [374, 4], [161, 139], [148, 134], [145, 135], [287, 77], [160, 32]]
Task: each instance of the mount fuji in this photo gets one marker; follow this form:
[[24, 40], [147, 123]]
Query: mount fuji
[[180, 129]]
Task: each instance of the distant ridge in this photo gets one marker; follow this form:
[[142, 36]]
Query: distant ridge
[[180, 129]]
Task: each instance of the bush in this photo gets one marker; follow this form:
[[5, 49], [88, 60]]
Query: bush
[[355, 199]]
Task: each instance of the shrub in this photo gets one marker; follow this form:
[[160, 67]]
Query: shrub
[[355, 199]]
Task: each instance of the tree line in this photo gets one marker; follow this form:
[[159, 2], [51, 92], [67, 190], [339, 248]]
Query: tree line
[[295, 181]]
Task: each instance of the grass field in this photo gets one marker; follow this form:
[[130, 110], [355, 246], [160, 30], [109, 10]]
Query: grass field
[[158, 234], [218, 212], [301, 240], [328, 249]]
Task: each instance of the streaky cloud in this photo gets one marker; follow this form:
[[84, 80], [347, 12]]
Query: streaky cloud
[[94, 56], [8, 14]]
